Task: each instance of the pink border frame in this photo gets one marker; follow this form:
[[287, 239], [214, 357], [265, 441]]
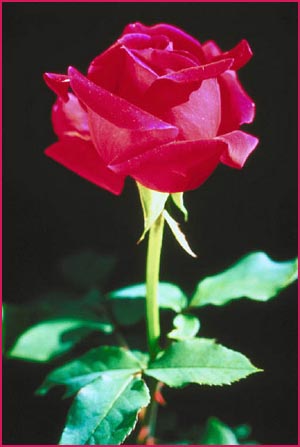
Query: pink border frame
[[155, 1]]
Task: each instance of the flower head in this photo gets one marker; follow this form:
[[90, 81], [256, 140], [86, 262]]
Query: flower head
[[156, 106]]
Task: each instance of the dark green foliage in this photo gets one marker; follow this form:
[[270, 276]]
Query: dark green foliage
[[107, 383]]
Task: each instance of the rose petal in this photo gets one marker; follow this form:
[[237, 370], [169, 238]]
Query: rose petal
[[136, 78], [241, 54], [211, 50], [106, 69], [174, 167], [82, 158], [70, 119], [119, 129], [164, 61], [58, 83], [175, 88], [180, 39], [237, 107], [198, 118], [138, 41], [239, 147]]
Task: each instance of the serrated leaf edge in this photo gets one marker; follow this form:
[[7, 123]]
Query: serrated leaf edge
[[213, 342]]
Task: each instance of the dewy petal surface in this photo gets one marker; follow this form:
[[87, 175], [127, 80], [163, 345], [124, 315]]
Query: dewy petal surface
[[200, 116], [119, 129], [237, 106], [82, 158], [239, 147], [175, 88], [174, 167]]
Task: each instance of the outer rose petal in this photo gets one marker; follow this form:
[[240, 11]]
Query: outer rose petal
[[119, 129], [174, 167], [237, 107], [211, 50], [70, 119], [198, 118], [241, 54], [58, 83], [180, 39], [175, 88], [82, 158], [239, 147]]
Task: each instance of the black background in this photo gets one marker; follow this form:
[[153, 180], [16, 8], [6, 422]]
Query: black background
[[50, 212]]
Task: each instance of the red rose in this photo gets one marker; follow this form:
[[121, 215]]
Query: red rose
[[156, 106]]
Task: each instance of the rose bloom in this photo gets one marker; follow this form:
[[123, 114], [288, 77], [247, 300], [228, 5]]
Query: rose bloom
[[156, 106]]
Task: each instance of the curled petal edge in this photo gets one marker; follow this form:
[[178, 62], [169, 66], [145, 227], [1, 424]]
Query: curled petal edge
[[241, 54], [58, 83], [239, 146]]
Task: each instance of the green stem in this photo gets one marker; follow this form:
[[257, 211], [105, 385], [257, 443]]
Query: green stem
[[152, 317], [152, 280]]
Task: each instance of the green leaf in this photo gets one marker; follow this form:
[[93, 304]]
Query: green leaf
[[255, 276], [58, 304], [87, 269], [142, 357], [153, 204], [170, 296], [127, 311], [105, 411], [218, 433], [15, 320], [200, 361], [75, 316], [95, 363], [178, 234], [178, 200], [186, 326], [45, 341]]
